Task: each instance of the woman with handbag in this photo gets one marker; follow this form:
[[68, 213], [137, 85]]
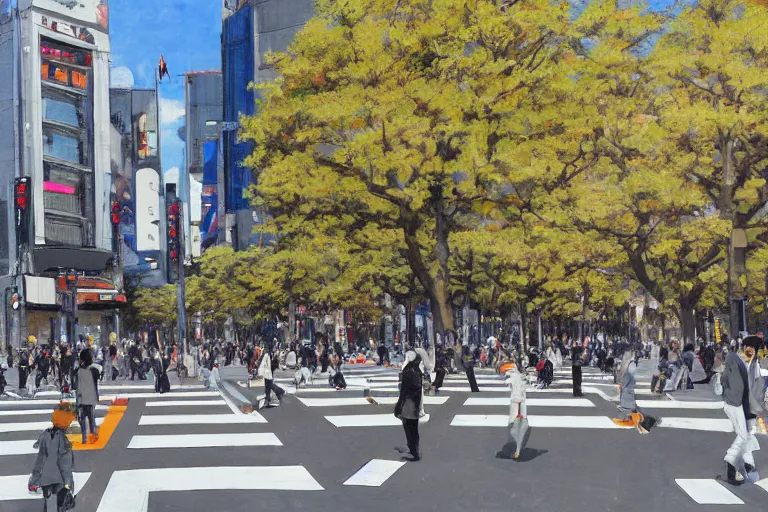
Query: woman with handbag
[[518, 413], [409, 403]]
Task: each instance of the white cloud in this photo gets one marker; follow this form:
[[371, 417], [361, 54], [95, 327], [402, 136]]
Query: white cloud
[[171, 111], [120, 77]]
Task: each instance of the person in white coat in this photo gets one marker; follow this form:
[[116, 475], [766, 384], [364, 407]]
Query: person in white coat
[[514, 376], [269, 363]]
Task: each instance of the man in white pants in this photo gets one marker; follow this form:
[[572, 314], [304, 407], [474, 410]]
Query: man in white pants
[[735, 389]]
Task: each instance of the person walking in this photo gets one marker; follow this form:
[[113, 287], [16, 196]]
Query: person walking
[[443, 362], [518, 412], [88, 394], [52, 472], [409, 403], [23, 368], [734, 386], [469, 368], [270, 363], [576, 363]]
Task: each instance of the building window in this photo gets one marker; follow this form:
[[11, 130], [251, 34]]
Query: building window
[[64, 107], [67, 126]]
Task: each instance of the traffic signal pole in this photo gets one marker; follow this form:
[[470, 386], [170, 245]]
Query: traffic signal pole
[[181, 293]]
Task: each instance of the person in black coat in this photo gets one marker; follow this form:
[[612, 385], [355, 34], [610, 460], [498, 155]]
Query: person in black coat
[[576, 364], [409, 403], [23, 369]]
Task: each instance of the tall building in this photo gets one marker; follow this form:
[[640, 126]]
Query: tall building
[[204, 113], [136, 194], [57, 271], [248, 33]]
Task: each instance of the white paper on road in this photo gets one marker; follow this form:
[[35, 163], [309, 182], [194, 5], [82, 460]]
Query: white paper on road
[[502, 420], [352, 400], [32, 426], [128, 491], [708, 491], [17, 448], [375, 473], [369, 420], [675, 404], [533, 402], [186, 403], [199, 419], [204, 440], [706, 424], [15, 487]]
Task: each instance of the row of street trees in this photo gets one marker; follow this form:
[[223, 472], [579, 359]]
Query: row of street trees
[[511, 155]]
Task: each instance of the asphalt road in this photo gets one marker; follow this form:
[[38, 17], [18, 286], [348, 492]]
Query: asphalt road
[[573, 469]]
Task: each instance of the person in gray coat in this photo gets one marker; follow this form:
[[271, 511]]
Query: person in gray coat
[[735, 391], [55, 459], [408, 404], [88, 393]]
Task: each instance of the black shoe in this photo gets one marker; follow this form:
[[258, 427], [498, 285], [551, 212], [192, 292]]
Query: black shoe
[[749, 467], [730, 474], [416, 457], [578, 394]]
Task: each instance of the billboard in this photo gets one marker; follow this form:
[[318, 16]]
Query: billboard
[[94, 13], [147, 210]]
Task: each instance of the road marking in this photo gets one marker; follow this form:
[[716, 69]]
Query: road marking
[[353, 400], [15, 487], [708, 491], [31, 426], [369, 420], [176, 387], [35, 412], [706, 424], [128, 491], [502, 420], [762, 483], [375, 473], [185, 403], [17, 448], [533, 402], [204, 440], [21, 403], [108, 425], [199, 419], [665, 404], [190, 394]]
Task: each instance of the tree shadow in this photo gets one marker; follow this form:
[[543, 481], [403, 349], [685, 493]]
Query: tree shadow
[[526, 455]]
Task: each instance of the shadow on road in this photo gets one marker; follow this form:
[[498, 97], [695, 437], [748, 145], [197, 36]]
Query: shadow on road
[[527, 455]]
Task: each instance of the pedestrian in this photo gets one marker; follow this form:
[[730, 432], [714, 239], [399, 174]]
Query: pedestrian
[[518, 412], [576, 364], [88, 394], [43, 366], [409, 403], [268, 365], [627, 404], [443, 358], [52, 471], [23, 368], [469, 368]]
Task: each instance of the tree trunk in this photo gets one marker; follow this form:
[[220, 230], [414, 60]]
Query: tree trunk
[[687, 323], [291, 328], [523, 327]]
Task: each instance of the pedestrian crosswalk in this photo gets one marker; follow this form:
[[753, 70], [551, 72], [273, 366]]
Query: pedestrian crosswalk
[[712, 491]]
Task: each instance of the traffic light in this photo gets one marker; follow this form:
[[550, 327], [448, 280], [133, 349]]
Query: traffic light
[[22, 203], [115, 213], [173, 233]]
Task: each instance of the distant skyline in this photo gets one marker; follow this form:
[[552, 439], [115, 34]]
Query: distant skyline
[[188, 35]]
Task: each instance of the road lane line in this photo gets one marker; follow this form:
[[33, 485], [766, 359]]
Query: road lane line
[[502, 420], [375, 473], [369, 420], [199, 419], [128, 491], [203, 440], [185, 403], [708, 491], [14, 487], [533, 402]]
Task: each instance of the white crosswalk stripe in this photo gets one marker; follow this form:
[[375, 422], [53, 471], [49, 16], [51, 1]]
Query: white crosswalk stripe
[[708, 491], [375, 473]]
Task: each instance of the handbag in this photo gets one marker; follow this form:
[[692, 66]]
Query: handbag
[[66, 500]]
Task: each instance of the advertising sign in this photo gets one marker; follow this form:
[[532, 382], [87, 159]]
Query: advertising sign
[[147, 210], [94, 13]]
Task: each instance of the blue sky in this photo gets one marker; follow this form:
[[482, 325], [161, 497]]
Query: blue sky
[[187, 34]]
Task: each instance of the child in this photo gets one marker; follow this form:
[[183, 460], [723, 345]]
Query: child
[[55, 459]]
